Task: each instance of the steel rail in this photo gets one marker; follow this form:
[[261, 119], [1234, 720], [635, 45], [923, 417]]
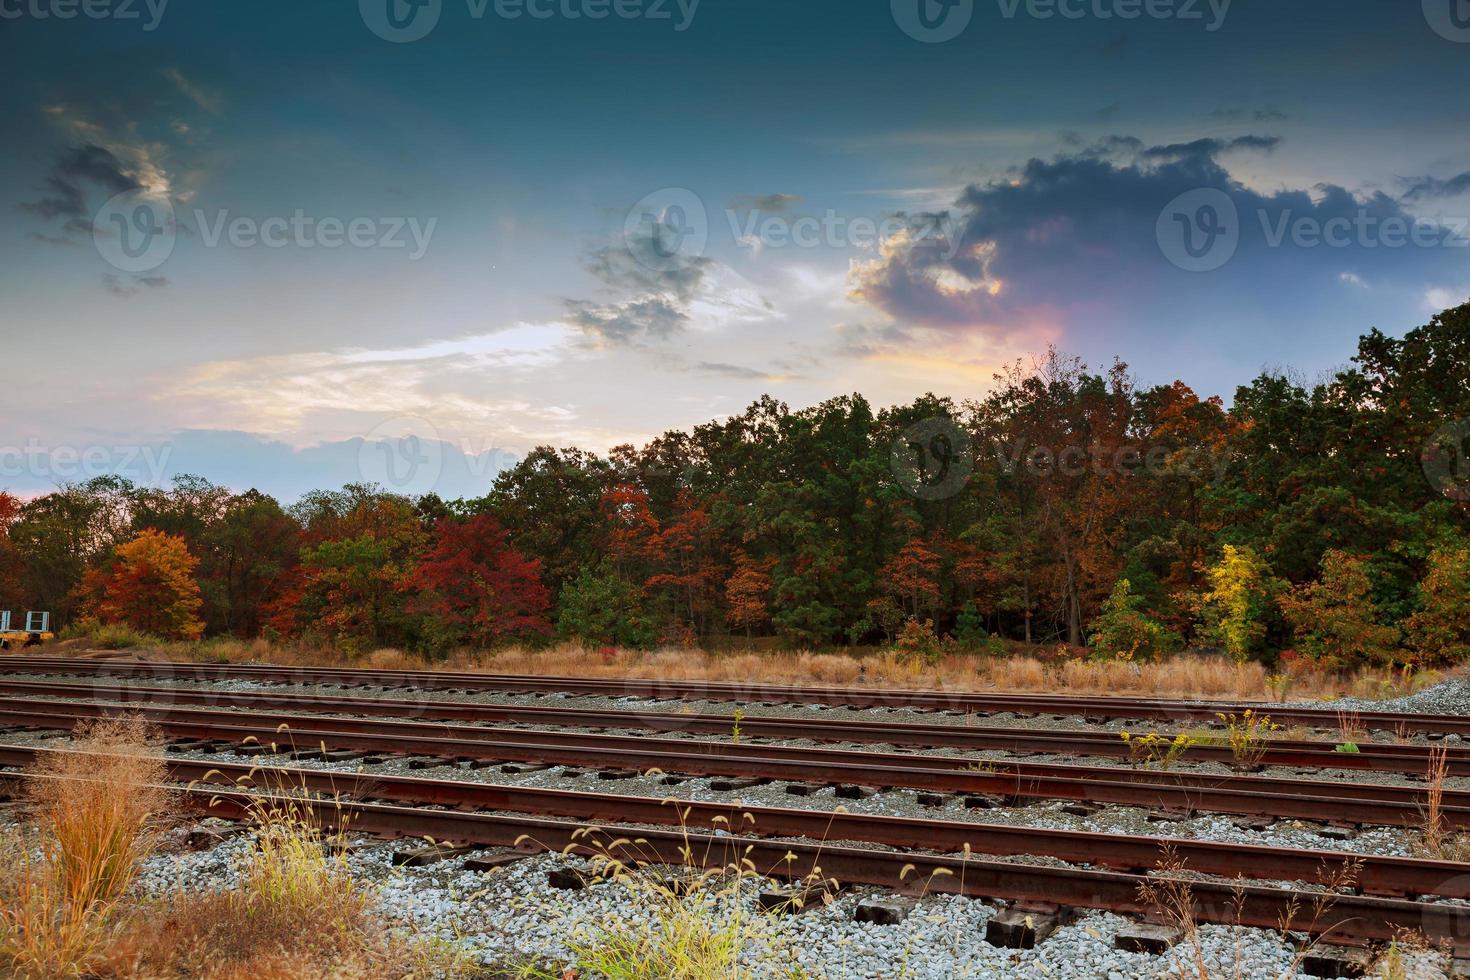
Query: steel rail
[[939, 774], [1385, 876], [1349, 918], [1092, 707], [812, 729]]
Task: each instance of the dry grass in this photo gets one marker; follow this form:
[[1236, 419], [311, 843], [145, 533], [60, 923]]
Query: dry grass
[[295, 912], [97, 815], [68, 907], [1170, 897], [1054, 670], [1437, 839]]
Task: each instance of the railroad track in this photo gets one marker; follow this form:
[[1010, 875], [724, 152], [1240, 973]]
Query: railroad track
[[1090, 707], [1410, 760], [1358, 918], [1381, 876], [986, 781]]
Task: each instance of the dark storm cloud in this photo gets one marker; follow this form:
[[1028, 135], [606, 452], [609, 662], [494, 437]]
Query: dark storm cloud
[[1076, 235], [631, 262], [1425, 188], [65, 189], [1210, 148], [651, 317]]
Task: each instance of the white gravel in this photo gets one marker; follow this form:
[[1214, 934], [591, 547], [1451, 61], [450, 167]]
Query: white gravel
[[511, 916]]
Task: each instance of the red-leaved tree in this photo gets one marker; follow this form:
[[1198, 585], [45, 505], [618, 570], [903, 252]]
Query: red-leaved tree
[[478, 584]]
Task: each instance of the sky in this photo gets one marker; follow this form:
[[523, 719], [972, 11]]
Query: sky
[[292, 245]]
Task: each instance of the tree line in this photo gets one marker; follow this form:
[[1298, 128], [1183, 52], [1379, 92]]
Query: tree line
[[1321, 521]]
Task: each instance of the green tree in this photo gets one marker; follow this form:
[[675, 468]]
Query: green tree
[[599, 607], [1123, 629]]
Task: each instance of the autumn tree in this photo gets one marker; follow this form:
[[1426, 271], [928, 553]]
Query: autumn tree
[[1440, 631], [747, 592], [355, 580], [149, 585], [1236, 608], [12, 565], [1335, 618], [479, 586]]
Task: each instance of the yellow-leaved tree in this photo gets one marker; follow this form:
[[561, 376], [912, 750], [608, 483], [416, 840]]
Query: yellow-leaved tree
[[1241, 598]]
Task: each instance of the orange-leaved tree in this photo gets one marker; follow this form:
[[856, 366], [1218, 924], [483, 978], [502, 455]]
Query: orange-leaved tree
[[150, 586]]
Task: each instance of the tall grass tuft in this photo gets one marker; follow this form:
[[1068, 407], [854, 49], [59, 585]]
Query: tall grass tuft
[[97, 816]]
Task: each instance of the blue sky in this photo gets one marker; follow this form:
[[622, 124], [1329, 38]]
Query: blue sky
[[955, 204]]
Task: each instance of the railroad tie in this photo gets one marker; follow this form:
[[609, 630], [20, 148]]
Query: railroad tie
[[728, 785], [431, 854], [791, 899], [804, 789], [1337, 961], [1147, 937], [1022, 927], [516, 768], [886, 911], [493, 862]]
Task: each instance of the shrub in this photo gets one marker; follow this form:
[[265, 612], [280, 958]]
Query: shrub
[[917, 643], [1123, 629]]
